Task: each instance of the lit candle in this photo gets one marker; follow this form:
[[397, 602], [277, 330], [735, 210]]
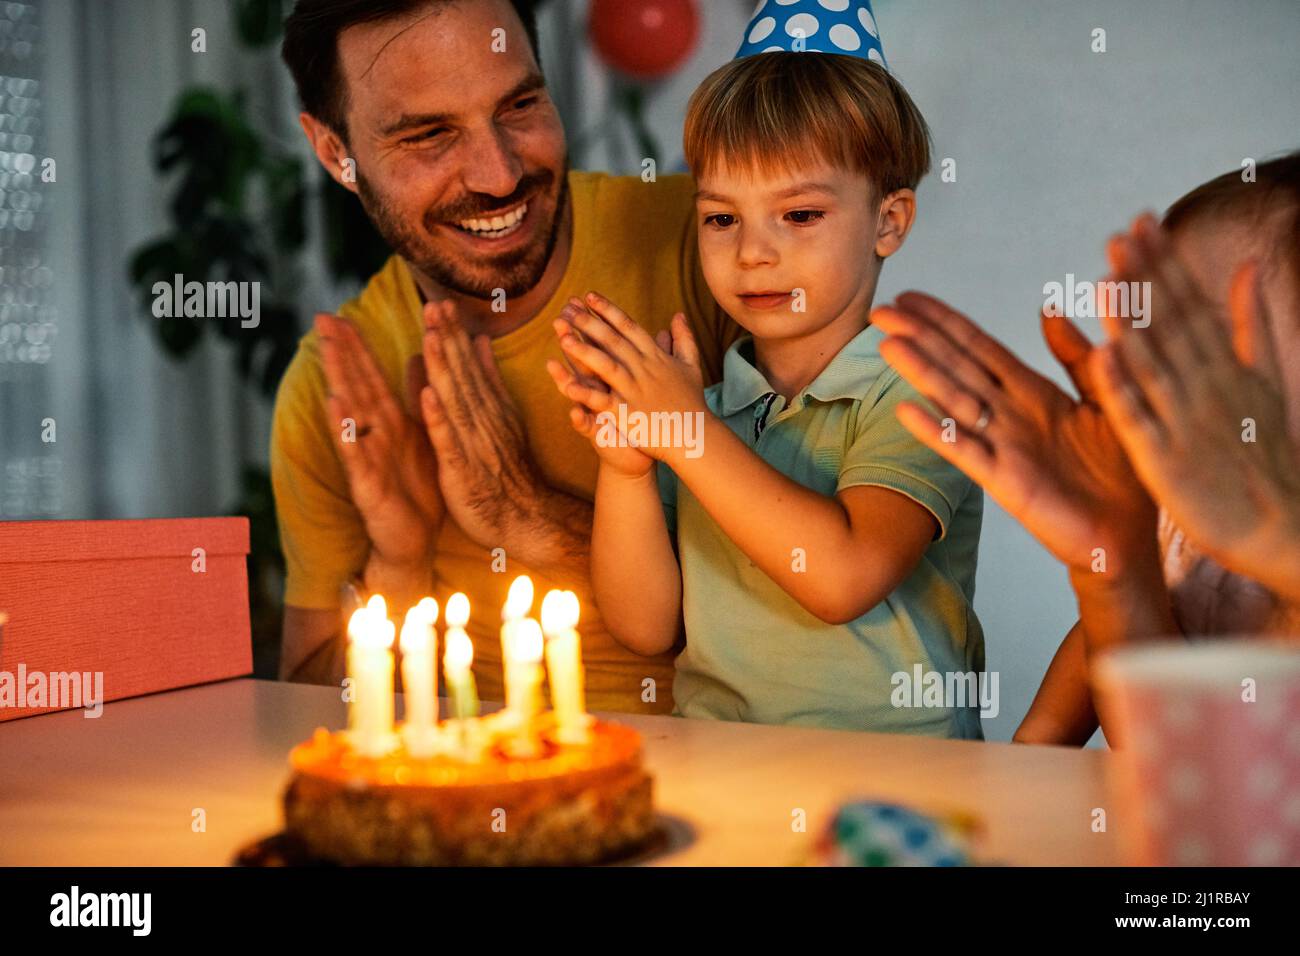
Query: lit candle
[[370, 665], [524, 670], [357, 625], [518, 603], [458, 657], [420, 679], [564, 666], [517, 674]]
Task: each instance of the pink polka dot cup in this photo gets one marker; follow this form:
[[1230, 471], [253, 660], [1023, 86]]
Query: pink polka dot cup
[[1206, 769]]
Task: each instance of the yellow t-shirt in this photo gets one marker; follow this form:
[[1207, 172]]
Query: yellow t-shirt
[[634, 242]]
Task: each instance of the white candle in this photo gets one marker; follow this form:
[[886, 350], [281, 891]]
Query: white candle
[[370, 665], [518, 603], [524, 671], [420, 678], [458, 657], [357, 625], [564, 666]]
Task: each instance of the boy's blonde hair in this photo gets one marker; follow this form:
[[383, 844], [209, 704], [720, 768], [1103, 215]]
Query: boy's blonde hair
[[774, 112]]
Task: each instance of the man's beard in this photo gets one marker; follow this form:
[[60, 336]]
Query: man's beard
[[516, 272]]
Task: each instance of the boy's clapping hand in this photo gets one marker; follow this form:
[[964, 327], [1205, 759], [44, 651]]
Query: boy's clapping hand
[[623, 365], [588, 394], [591, 396]]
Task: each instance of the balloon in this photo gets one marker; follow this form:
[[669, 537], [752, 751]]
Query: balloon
[[645, 39]]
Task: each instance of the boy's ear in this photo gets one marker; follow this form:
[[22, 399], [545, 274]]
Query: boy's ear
[[331, 151], [897, 213]]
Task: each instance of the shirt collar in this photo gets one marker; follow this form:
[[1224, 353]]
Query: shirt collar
[[849, 375]]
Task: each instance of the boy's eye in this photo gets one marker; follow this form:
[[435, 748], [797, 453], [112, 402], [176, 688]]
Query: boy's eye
[[719, 219], [805, 217]]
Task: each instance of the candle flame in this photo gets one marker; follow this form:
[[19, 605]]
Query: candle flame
[[559, 611], [369, 626], [527, 641], [417, 629], [460, 649], [428, 608], [385, 633], [357, 624], [366, 630], [457, 613], [520, 598]]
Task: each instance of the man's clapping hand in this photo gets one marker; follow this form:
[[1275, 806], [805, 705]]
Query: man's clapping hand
[[489, 479], [390, 466]]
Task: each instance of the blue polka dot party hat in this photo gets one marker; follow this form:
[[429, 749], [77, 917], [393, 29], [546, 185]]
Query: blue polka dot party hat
[[822, 26]]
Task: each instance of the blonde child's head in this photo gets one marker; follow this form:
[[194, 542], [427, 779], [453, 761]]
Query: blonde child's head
[[806, 166]]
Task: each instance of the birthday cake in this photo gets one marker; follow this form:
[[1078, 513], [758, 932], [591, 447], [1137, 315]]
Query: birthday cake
[[567, 804], [520, 787]]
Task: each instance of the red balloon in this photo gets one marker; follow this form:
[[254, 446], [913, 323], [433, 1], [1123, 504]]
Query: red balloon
[[646, 39]]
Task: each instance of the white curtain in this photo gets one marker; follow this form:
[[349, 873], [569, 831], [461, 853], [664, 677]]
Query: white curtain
[[140, 434]]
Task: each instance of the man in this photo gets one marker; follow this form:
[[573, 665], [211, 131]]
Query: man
[[435, 113]]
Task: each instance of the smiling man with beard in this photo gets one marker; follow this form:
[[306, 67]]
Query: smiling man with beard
[[418, 444]]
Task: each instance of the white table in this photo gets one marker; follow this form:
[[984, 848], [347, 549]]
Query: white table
[[122, 789]]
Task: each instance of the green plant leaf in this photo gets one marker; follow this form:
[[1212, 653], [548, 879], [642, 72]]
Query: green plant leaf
[[353, 248], [258, 22], [179, 335], [287, 198], [209, 143]]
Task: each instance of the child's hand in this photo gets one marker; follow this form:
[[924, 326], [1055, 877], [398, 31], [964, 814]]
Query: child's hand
[[588, 402], [640, 373], [1199, 408], [590, 397]]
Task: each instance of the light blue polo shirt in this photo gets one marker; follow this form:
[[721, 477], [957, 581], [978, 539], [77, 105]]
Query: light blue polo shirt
[[752, 653]]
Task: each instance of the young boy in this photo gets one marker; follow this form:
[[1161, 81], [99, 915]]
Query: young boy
[[825, 559]]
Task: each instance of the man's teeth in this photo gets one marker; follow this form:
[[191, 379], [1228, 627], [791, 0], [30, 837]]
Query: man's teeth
[[497, 226]]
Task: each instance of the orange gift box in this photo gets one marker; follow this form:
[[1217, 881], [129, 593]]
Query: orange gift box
[[151, 605]]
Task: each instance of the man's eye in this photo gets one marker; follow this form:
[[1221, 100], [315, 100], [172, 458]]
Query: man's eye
[[426, 135], [526, 102], [719, 219], [804, 217]]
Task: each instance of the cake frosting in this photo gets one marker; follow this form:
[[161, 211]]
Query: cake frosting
[[566, 803]]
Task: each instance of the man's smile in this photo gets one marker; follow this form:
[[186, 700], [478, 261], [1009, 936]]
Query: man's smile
[[496, 225]]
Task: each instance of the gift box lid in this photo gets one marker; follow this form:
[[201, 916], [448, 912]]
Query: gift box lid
[[126, 598], [29, 542]]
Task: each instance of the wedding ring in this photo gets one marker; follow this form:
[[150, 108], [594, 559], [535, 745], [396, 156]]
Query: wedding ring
[[986, 415]]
